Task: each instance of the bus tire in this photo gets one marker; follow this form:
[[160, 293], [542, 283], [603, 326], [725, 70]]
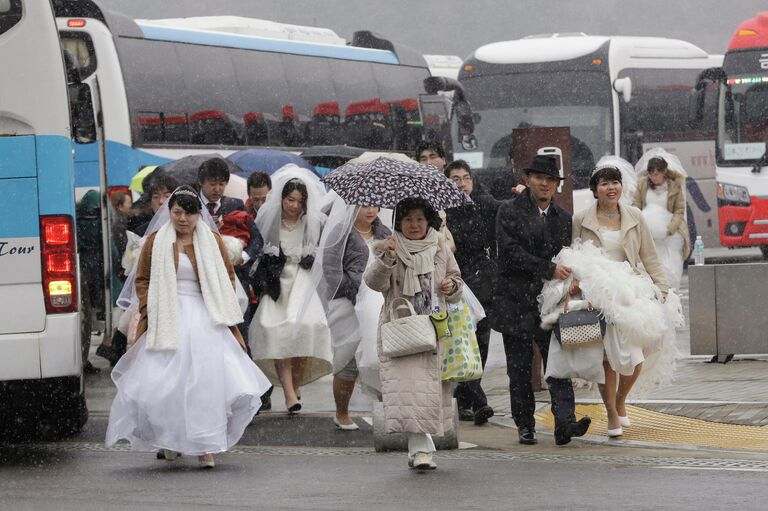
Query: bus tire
[[64, 411]]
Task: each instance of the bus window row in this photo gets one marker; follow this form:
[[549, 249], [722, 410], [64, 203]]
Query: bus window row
[[191, 94]]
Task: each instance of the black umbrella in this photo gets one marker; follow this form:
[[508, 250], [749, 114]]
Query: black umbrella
[[184, 170], [331, 156], [384, 182]]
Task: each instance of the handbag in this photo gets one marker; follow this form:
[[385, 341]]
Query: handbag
[[461, 359], [407, 335], [578, 328]]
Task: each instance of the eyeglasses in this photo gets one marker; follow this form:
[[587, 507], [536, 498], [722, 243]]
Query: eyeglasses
[[457, 179]]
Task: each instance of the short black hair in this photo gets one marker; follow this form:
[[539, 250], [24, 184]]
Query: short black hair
[[604, 174], [430, 145], [405, 206], [259, 180], [157, 181], [187, 202], [215, 169], [457, 164]]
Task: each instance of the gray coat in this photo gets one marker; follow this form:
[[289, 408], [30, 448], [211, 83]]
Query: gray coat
[[415, 398]]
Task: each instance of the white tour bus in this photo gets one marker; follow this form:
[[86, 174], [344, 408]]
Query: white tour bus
[[174, 87], [618, 95], [41, 383]]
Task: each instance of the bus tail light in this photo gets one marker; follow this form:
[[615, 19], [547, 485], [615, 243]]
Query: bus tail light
[[57, 245], [76, 23]]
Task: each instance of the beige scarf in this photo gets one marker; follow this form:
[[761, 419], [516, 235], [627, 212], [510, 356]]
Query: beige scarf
[[215, 285], [418, 256]]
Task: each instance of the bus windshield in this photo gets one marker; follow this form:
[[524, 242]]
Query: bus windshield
[[580, 100], [742, 119]]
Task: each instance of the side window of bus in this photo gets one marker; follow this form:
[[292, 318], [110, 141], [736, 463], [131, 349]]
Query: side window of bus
[[365, 116], [264, 91], [10, 14], [659, 107], [315, 116], [397, 85]]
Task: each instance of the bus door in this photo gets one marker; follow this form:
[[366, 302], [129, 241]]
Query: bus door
[[94, 212]]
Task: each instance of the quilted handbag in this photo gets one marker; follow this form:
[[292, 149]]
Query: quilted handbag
[[578, 328], [407, 335]]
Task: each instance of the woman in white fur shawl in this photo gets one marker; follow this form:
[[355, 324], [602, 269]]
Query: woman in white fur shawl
[[187, 385], [632, 298]]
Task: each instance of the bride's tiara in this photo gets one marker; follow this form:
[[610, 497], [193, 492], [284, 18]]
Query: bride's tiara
[[185, 192]]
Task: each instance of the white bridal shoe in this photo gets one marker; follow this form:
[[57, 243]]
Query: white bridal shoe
[[345, 427], [624, 421], [613, 433]]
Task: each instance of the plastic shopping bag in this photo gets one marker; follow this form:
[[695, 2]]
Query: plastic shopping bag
[[461, 359]]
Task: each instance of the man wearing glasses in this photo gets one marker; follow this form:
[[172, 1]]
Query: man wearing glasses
[[474, 232]]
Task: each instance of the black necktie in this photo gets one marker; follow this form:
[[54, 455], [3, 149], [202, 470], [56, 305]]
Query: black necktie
[[212, 208]]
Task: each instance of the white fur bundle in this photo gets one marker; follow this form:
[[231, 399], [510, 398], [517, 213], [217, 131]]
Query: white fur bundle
[[627, 300], [234, 248]]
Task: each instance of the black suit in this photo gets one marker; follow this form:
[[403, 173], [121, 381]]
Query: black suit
[[526, 245]]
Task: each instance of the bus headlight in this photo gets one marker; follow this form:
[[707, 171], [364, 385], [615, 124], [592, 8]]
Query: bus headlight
[[732, 195]]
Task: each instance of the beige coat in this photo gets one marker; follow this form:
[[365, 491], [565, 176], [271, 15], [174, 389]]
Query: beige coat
[[415, 398], [638, 242], [675, 205]]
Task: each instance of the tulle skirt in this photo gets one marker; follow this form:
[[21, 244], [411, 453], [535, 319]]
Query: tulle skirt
[[195, 400], [670, 252], [345, 332], [291, 328]]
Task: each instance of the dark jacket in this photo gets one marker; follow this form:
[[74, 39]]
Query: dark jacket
[[526, 245], [230, 204], [474, 232]]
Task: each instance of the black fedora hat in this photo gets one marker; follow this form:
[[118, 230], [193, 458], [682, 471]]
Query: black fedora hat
[[542, 164]]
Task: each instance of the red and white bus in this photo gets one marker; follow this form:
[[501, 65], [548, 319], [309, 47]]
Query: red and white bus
[[742, 157]]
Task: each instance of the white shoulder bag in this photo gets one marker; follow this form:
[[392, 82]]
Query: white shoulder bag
[[407, 335]]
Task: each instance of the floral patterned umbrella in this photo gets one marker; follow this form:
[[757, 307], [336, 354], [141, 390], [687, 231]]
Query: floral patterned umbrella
[[384, 182]]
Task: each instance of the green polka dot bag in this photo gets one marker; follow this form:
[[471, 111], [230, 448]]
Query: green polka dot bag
[[461, 354]]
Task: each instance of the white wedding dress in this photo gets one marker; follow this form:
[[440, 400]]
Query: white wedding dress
[[621, 355], [668, 248], [278, 331], [197, 399]]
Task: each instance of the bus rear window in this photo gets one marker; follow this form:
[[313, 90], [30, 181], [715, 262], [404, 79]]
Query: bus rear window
[[80, 46], [10, 14]]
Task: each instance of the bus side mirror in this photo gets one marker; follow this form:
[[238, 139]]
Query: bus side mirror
[[699, 95], [624, 87], [461, 107]]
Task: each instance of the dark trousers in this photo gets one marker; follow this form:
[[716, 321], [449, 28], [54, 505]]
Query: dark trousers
[[470, 395], [518, 347]]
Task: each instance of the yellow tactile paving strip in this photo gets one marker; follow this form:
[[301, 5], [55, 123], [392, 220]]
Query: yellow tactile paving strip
[[650, 426]]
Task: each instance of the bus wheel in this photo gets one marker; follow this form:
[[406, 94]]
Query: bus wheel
[[64, 411], [764, 250]]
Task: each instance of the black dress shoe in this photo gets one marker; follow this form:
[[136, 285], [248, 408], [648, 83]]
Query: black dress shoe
[[482, 415], [564, 433], [527, 435], [466, 415], [266, 403], [91, 369]]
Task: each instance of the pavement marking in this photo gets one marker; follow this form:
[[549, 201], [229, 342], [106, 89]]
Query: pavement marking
[[662, 428], [472, 455], [732, 469]]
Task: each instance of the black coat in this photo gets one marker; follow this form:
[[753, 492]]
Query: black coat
[[474, 231], [526, 245]]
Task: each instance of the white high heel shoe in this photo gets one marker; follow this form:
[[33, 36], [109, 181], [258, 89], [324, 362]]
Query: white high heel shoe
[[613, 433], [624, 421]]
